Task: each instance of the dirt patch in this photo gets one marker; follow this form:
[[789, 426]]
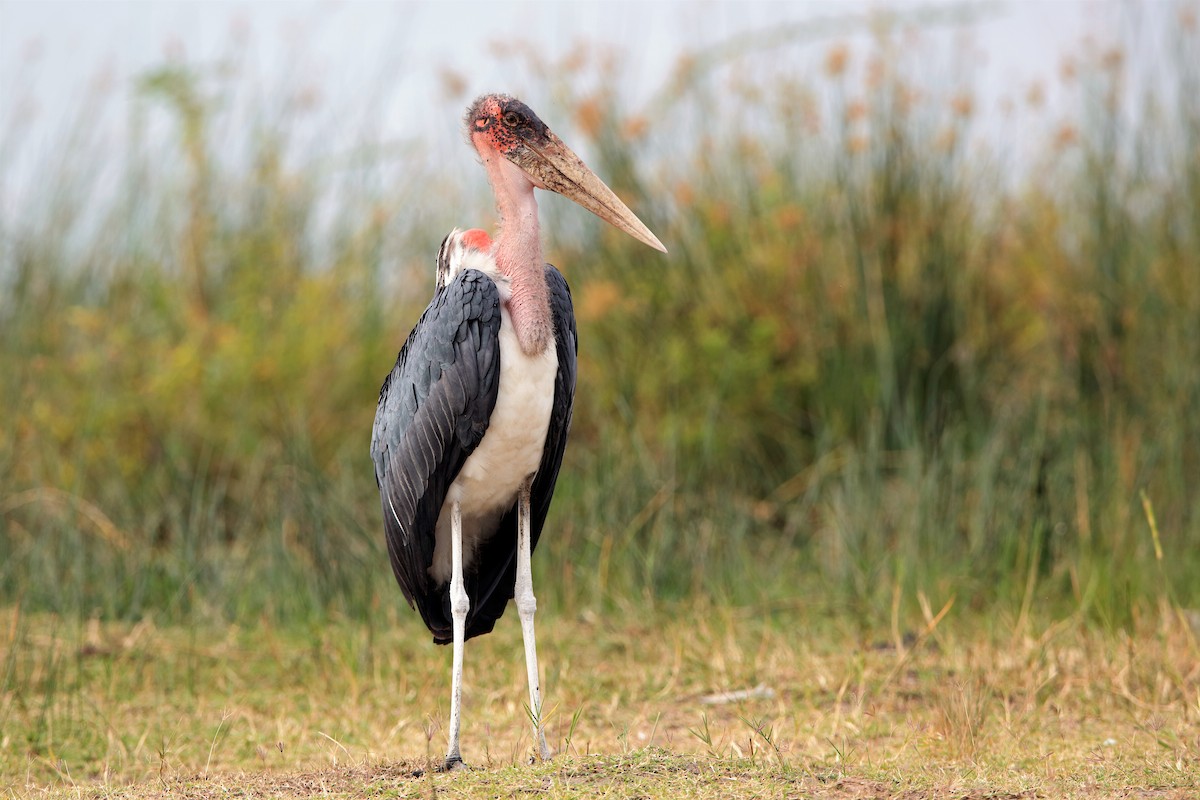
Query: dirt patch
[[649, 774]]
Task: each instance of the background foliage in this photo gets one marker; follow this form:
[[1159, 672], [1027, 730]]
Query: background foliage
[[878, 360]]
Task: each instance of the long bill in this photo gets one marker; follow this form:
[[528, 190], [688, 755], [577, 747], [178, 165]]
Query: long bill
[[555, 167]]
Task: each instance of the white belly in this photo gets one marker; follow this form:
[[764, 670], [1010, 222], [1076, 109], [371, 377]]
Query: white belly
[[510, 451]]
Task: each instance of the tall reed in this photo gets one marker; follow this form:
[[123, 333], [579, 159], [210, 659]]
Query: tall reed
[[875, 362]]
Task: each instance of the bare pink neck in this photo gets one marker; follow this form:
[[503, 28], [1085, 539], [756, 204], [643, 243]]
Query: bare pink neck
[[519, 254]]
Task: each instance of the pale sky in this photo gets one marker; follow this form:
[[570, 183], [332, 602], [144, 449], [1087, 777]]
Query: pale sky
[[379, 63]]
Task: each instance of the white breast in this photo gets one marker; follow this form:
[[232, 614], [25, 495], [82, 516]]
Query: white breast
[[510, 451]]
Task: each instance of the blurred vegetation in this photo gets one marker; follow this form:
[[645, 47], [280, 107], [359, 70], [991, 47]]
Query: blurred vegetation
[[881, 362]]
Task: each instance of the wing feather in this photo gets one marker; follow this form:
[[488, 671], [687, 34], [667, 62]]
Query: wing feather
[[433, 410]]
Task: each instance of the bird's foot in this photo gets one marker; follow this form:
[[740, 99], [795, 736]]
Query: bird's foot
[[538, 753], [453, 764]]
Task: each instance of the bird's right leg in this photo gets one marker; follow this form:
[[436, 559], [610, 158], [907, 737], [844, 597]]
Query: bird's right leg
[[460, 604], [526, 606]]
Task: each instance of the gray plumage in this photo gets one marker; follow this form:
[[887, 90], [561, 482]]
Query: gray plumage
[[433, 411]]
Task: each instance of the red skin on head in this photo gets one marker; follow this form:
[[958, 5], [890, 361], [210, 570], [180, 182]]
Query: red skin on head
[[477, 239], [487, 128], [518, 248]]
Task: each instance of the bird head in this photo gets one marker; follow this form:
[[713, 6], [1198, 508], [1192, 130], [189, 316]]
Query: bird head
[[497, 123]]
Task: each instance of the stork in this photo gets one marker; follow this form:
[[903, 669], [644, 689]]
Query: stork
[[472, 421]]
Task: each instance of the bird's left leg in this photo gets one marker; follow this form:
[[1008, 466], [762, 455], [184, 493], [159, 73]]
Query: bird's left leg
[[460, 604], [526, 606]]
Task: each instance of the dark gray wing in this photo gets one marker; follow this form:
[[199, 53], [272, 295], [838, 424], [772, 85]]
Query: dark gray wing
[[433, 410], [496, 578]]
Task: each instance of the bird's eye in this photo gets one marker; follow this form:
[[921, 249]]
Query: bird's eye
[[512, 119]]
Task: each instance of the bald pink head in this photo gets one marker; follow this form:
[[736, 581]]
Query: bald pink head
[[500, 125], [504, 124]]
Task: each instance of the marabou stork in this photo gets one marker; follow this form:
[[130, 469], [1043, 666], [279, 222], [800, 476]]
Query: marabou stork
[[472, 421]]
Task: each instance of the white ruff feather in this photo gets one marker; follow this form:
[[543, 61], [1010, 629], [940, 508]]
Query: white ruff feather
[[511, 450]]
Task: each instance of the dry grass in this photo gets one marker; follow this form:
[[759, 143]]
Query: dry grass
[[956, 708]]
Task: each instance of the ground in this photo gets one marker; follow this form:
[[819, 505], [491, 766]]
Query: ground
[[690, 702]]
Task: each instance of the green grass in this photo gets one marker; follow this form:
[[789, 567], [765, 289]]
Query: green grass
[[868, 359]]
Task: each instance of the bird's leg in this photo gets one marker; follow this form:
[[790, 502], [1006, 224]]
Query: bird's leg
[[460, 604], [526, 606]]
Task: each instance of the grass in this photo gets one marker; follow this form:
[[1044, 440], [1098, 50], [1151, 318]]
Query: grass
[[872, 359], [698, 701], [875, 362]]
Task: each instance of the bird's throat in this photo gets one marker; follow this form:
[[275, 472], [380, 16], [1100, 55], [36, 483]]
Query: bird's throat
[[519, 254], [529, 298]]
